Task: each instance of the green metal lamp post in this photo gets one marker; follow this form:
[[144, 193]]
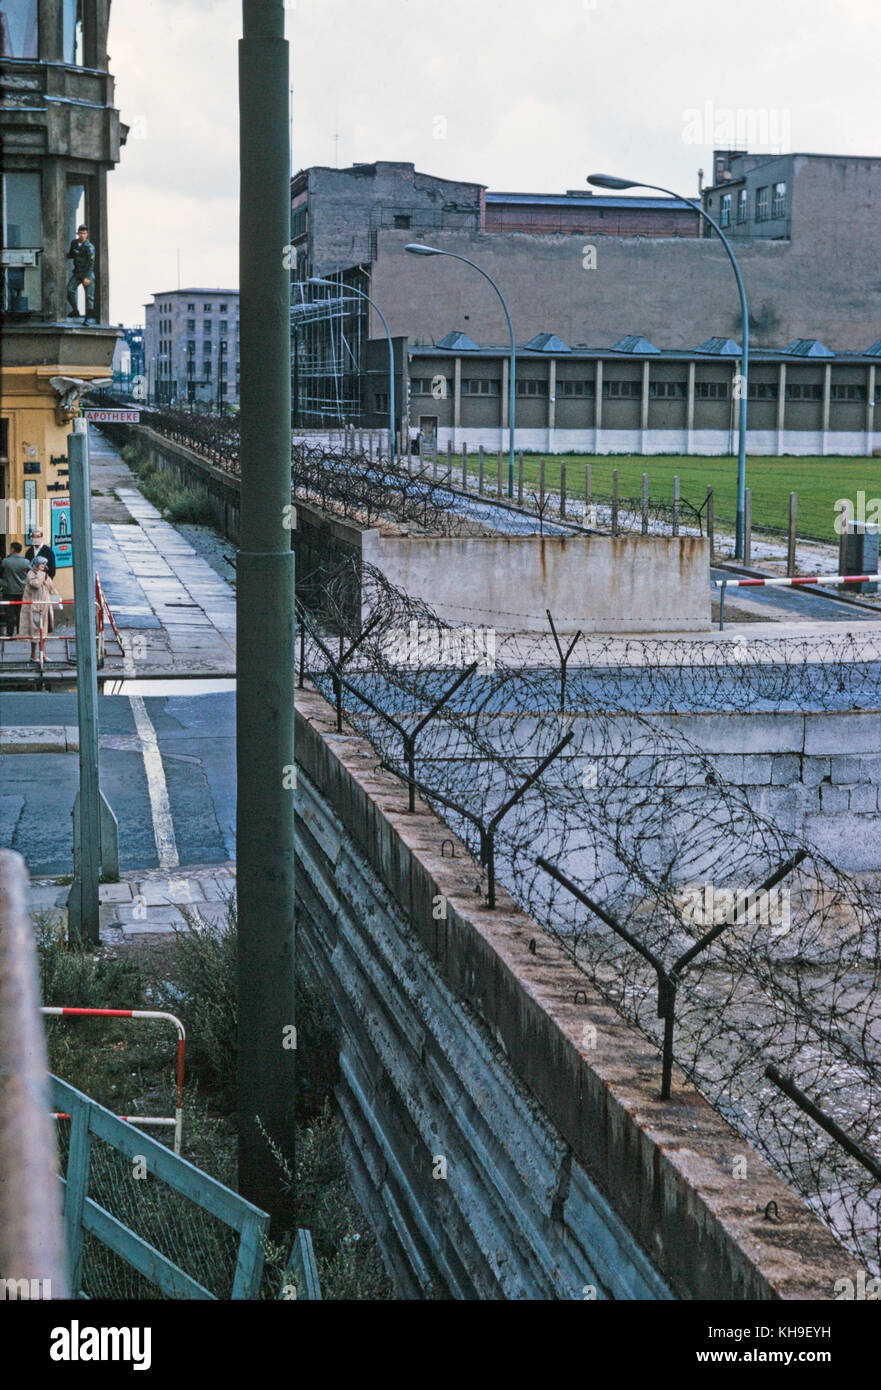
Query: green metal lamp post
[[265, 639], [610, 181], [329, 284], [416, 248]]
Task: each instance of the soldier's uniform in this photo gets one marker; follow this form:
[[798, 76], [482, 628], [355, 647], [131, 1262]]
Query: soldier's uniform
[[82, 253]]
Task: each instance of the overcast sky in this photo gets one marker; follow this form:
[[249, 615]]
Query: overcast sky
[[516, 95]]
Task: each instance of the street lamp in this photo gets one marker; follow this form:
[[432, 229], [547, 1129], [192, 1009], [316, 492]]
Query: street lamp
[[221, 384], [610, 181], [417, 249], [330, 284]]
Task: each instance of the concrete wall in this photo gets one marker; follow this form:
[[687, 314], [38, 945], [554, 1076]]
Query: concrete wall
[[564, 1171], [596, 583], [676, 291]]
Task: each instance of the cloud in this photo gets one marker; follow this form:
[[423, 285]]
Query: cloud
[[533, 97]]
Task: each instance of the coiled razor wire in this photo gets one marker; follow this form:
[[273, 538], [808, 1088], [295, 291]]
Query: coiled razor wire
[[530, 763]]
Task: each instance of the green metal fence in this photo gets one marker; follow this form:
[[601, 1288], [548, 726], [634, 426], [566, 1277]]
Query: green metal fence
[[141, 1222]]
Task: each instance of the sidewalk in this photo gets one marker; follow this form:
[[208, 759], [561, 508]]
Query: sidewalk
[[146, 902], [176, 615]]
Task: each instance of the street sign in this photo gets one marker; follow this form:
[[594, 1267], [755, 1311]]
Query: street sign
[[113, 417]]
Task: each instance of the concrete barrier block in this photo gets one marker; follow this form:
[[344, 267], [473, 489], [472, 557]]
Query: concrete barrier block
[[833, 800], [756, 770], [815, 770], [786, 769], [842, 732], [864, 797], [844, 768]]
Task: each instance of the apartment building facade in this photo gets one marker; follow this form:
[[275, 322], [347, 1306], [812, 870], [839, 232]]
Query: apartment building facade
[[60, 134], [191, 348]]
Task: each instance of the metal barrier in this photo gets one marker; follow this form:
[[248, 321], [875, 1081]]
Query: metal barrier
[[32, 1257], [788, 583], [117, 1163], [177, 1119], [103, 613]]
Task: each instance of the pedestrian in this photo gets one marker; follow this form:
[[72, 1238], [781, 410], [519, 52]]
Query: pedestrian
[[38, 550], [40, 596], [13, 570], [82, 253]]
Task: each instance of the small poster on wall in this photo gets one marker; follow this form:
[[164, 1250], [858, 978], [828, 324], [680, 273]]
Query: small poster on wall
[[61, 538]]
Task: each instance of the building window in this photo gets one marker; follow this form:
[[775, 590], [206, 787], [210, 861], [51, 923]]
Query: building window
[[206, 308], [402, 221], [668, 390], [711, 390], [18, 29], [575, 388], [191, 325], [224, 324], [742, 205], [762, 204], [191, 347], [223, 308], [527, 386], [762, 391], [804, 391], [847, 393], [618, 390], [779, 205], [725, 214], [191, 308], [475, 386], [72, 32], [382, 400], [206, 326]]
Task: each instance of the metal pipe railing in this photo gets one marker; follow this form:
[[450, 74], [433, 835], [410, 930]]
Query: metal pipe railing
[[33, 1259]]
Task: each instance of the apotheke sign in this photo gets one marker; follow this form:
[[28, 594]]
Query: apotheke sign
[[113, 417]]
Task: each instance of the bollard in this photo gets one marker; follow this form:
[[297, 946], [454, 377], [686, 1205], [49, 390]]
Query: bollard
[[790, 548]]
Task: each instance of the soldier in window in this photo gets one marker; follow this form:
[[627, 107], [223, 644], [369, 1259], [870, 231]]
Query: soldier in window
[[82, 253]]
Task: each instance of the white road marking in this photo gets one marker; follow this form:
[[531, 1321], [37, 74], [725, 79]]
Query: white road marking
[[160, 806]]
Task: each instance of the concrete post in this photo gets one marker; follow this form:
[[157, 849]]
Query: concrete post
[[870, 412], [790, 545], [781, 406], [676, 505], [265, 630]]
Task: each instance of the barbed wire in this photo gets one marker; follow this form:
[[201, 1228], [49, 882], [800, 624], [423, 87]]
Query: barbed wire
[[557, 783]]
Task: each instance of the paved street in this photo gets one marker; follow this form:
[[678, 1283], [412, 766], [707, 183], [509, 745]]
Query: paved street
[[167, 769]]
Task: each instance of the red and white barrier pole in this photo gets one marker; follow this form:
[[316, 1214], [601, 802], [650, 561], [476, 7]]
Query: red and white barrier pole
[[178, 1119], [787, 582]]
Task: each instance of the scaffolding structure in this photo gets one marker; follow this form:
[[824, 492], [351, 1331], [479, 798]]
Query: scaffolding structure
[[329, 330]]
